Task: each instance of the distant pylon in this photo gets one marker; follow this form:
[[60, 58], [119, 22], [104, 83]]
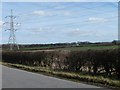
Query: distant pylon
[[12, 38]]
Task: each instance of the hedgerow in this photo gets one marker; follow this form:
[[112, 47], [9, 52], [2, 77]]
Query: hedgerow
[[95, 62]]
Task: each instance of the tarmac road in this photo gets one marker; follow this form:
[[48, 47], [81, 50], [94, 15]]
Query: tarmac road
[[15, 78]]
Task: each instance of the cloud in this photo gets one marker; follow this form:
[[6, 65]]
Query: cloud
[[84, 33], [60, 7], [1, 25], [41, 29], [49, 13], [42, 13], [67, 13], [97, 20], [64, 13], [78, 32]]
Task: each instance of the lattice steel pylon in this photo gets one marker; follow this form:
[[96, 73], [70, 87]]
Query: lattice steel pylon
[[12, 38]]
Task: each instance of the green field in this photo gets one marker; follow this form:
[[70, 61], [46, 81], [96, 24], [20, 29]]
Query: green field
[[88, 47], [72, 48]]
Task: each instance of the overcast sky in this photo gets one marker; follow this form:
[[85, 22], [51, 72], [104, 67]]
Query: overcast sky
[[53, 22]]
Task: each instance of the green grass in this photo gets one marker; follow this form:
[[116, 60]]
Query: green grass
[[88, 47], [73, 48], [78, 77]]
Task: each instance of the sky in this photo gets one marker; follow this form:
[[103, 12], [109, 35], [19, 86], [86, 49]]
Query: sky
[[59, 22], [60, 0]]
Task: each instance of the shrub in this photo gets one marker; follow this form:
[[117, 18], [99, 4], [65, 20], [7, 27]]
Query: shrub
[[90, 61]]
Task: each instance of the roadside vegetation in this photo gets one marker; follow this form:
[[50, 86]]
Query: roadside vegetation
[[74, 76], [95, 66]]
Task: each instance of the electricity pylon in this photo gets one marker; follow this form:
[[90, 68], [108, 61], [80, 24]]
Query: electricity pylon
[[12, 38]]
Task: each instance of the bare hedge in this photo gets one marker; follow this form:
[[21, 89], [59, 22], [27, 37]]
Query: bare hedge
[[91, 61]]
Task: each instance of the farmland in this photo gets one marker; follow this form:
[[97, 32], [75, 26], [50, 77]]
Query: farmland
[[74, 48], [84, 60], [78, 48], [70, 40], [68, 48]]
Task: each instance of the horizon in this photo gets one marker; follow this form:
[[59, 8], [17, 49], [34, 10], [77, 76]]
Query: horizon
[[60, 42]]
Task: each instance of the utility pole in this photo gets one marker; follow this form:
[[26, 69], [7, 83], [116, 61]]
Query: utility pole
[[12, 38]]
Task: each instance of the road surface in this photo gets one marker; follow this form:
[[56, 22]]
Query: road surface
[[15, 78]]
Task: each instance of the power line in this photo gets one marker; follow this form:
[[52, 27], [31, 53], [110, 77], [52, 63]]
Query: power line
[[12, 38]]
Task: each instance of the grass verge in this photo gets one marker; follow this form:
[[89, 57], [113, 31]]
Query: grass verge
[[96, 80]]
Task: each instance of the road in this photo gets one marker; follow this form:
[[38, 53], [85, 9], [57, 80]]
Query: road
[[15, 78]]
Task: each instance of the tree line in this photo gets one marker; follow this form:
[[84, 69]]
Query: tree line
[[53, 45]]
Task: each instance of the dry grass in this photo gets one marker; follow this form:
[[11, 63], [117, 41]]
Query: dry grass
[[98, 80]]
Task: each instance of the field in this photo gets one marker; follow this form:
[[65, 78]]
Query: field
[[71, 48]]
